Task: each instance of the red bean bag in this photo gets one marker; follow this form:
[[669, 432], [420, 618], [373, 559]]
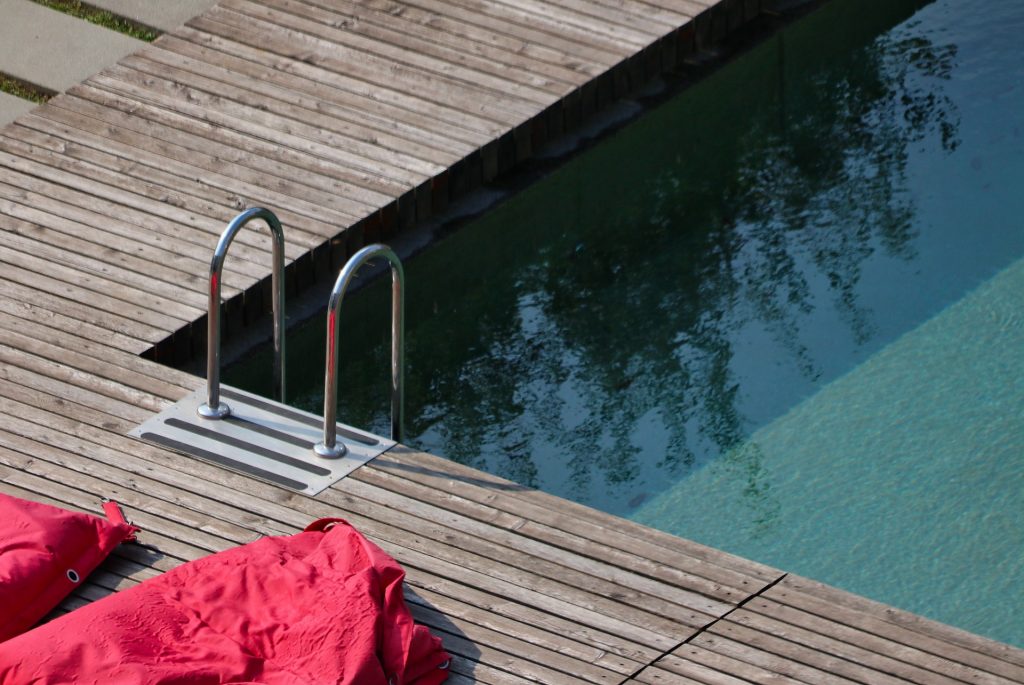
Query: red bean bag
[[45, 552], [322, 606]]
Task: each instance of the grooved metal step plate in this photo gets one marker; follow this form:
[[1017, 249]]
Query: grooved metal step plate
[[260, 438]]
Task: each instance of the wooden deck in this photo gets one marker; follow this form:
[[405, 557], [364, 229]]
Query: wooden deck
[[352, 120]]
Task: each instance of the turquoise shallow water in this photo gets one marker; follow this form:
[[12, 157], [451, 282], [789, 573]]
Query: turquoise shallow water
[[902, 480], [774, 314]]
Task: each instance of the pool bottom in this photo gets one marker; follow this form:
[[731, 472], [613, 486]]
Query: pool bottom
[[901, 481]]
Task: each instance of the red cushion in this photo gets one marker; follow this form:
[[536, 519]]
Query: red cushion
[[44, 553], [322, 606]]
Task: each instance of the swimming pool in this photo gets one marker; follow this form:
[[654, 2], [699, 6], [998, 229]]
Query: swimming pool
[[777, 314]]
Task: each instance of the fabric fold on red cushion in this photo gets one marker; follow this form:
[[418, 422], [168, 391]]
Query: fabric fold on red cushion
[[45, 552], [321, 606]]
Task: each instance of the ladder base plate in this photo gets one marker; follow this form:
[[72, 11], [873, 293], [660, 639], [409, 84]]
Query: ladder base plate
[[260, 438]]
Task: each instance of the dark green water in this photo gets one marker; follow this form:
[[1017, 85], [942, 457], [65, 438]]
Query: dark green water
[[644, 319]]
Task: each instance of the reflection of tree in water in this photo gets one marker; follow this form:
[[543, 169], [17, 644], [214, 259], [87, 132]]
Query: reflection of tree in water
[[735, 228], [839, 162], [819, 193]]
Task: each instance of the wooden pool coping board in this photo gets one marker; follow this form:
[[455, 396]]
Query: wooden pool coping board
[[353, 121]]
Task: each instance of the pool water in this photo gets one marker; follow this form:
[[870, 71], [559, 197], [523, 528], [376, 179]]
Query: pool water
[[779, 314]]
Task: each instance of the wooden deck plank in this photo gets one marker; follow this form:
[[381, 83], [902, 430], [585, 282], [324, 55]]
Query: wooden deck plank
[[645, 22], [13, 336], [160, 313], [249, 121], [407, 161], [366, 525], [767, 641], [40, 335], [146, 197], [501, 28], [480, 100], [150, 518], [176, 193], [129, 275], [525, 668], [132, 227], [163, 502], [900, 627], [657, 675], [669, 13], [124, 203], [422, 42], [548, 31], [195, 136], [613, 25], [625, 585], [519, 665], [36, 417], [543, 665], [449, 68], [695, 665], [546, 538], [118, 314], [138, 262], [886, 656], [398, 144], [408, 20], [64, 381], [774, 656], [117, 331], [313, 94], [482, 614], [143, 158], [375, 97], [569, 571], [579, 521], [12, 302], [24, 455], [558, 631], [583, 602]]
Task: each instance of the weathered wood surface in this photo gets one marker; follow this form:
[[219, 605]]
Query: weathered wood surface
[[521, 585], [800, 631], [351, 119]]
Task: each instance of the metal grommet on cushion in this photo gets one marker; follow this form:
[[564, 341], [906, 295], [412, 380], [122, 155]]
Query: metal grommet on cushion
[[73, 575]]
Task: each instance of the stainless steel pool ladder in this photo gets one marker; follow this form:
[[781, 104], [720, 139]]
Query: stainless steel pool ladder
[[329, 446], [263, 438], [214, 408]]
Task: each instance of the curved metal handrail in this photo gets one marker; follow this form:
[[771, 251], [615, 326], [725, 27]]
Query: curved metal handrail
[[214, 408], [330, 448]]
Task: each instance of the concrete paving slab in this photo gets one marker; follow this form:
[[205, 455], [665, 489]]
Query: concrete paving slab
[[159, 14], [54, 50], [13, 107]]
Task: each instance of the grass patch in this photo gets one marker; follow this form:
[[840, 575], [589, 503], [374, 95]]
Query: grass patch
[[18, 88], [100, 17]]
